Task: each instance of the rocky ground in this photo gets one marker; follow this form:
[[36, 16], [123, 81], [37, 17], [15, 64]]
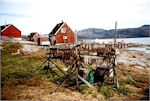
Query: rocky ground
[[138, 59]]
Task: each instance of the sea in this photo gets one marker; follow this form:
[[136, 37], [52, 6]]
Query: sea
[[142, 40]]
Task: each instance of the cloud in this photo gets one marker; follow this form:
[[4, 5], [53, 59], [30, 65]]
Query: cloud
[[43, 15], [14, 7], [13, 15]]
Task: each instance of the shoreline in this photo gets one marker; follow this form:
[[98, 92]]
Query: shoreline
[[134, 58]]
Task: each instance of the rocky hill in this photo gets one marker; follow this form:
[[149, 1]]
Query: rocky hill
[[92, 33]]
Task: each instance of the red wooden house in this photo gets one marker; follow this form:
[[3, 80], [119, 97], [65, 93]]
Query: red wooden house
[[62, 33], [33, 36], [10, 31], [43, 40]]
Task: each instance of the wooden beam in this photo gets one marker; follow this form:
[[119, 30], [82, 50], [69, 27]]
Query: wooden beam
[[86, 82], [126, 75]]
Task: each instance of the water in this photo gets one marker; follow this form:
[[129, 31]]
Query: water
[[143, 40], [143, 49]]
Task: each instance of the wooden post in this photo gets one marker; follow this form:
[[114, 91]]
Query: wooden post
[[77, 82], [77, 66], [115, 79], [115, 35], [52, 73], [57, 67], [66, 77], [126, 75]]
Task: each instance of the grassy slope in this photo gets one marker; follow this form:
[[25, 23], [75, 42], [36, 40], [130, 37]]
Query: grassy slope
[[16, 68]]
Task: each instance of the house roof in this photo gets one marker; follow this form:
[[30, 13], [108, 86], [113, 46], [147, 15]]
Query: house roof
[[32, 34], [3, 27], [56, 28]]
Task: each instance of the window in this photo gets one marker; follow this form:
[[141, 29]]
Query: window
[[64, 37], [63, 30]]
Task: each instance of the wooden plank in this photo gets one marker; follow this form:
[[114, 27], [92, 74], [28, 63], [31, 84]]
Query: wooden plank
[[86, 82], [126, 75]]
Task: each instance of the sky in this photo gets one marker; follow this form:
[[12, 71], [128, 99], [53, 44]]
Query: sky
[[42, 15]]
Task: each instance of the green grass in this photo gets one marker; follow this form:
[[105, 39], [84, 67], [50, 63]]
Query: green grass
[[9, 47], [107, 91], [17, 68]]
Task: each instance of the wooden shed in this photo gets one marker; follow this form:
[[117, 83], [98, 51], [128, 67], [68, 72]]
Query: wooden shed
[[33, 36], [10, 31], [62, 33], [43, 40]]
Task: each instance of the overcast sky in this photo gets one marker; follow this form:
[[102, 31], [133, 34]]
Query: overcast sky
[[42, 15]]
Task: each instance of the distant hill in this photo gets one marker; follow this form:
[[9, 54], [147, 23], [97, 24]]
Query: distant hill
[[92, 33], [24, 36]]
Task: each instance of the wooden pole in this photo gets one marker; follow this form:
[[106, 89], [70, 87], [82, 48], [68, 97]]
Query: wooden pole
[[77, 82], [126, 75], [57, 67], [52, 73], [77, 66], [38, 68], [114, 63], [66, 77], [115, 35]]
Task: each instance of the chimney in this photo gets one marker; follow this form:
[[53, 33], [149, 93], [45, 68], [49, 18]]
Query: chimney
[[5, 23]]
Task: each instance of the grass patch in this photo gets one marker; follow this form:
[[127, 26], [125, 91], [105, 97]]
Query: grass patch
[[17, 75], [107, 91], [110, 91], [16, 67], [123, 90], [9, 47]]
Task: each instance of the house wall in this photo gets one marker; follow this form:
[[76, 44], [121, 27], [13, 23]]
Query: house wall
[[43, 41], [33, 38], [69, 33], [11, 31], [30, 38]]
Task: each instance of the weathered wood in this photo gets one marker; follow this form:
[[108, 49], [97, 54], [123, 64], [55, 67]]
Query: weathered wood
[[86, 82], [66, 77], [58, 67], [126, 75], [52, 73], [35, 71]]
